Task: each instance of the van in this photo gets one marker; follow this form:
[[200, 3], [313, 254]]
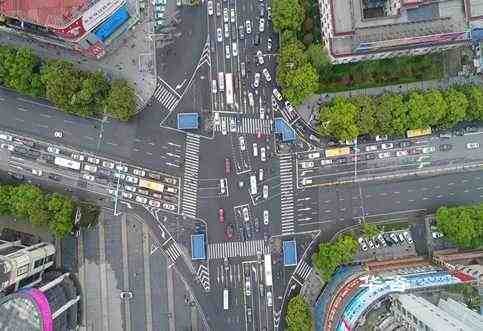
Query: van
[[306, 181], [314, 155], [90, 168], [307, 165]]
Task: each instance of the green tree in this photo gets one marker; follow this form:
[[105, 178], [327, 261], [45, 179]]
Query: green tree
[[317, 55], [287, 15], [419, 112], [391, 116], [366, 114], [370, 230], [25, 201], [61, 213], [474, 95], [456, 110], [338, 120], [121, 101], [462, 225], [437, 107], [299, 316], [5, 198], [21, 70], [89, 100]]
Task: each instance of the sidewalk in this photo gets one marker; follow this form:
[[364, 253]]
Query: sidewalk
[[308, 110]]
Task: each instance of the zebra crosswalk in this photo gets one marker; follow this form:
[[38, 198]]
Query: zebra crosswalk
[[247, 125], [168, 97], [189, 202], [303, 271], [287, 196], [172, 250], [237, 249]]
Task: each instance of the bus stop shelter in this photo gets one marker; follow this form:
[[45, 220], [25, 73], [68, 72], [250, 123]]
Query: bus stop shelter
[[198, 250], [188, 121], [281, 127], [289, 253]]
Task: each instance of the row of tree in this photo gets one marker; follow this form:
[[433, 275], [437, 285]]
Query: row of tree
[[28, 202], [299, 315], [462, 225], [330, 256], [72, 90], [393, 114]]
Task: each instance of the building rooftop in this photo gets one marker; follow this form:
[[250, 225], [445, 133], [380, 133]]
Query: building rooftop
[[20, 312]]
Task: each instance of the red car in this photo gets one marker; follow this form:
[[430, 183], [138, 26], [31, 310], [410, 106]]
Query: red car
[[221, 215], [227, 166]]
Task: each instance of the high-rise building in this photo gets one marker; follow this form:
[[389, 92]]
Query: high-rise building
[[358, 30]]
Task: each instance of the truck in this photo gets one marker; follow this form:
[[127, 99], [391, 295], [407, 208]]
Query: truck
[[340, 151], [67, 163], [418, 132], [152, 185], [268, 270], [225, 300], [229, 88]]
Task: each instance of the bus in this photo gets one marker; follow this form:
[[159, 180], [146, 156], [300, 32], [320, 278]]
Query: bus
[[149, 184], [253, 185], [67, 163], [331, 152], [268, 270], [225, 300], [221, 81], [229, 88], [418, 132]]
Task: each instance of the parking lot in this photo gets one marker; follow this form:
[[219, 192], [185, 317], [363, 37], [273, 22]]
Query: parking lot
[[387, 245]]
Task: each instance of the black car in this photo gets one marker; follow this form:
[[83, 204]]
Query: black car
[[445, 147], [469, 129], [256, 41], [341, 160], [54, 177], [257, 225], [405, 143], [241, 32], [233, 33], [262, 11], [103, 173], [459, 132], [249, 315], [370, 156]]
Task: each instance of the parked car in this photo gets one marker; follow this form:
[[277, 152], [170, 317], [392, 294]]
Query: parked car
[[141, 199], [408, 237], [362, 243], [265, 217]]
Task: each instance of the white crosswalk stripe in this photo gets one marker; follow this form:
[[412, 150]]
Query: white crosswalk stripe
[[204, 277], [303, 270], [248, 125], [172, 251], [189, 202], [166, 97], [286, 185], [237, 248]]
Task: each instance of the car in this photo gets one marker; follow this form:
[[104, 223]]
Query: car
[[384, 155], [429, 149], [130, 188], [121, 168], [404, 144], [408, 237], [227, 52], [259, 56], [277, 94], [77, 157], [234, 48], [341, 160], [251, 101], [143, 191], [132, 179], [248, 290], [370, 243], [58, 134], [256, 82], [107, 164], [227, 30], [381, 138], [221, 215], [265, 191], [257, 225], [260, 175], [88, 177], [11, 148], [116, 175], [127, 195], [154, 203], [269, 299], [445, 147], [256, 39], [402, 153], [445, 135], [263, 156], [459, 132], [471, 129], [214, 87], [362, 243], [307, 164], [387, 146], [241, 141], [233, 33], [248, 26], [380, 238], [255, 150], [370, 156], [229, 231], [232, 15], [224, 130], [289, 107], [219, 35], [246, 216], [241, 32], [52, 149], [218, 9], [141, 199], [371, 148], [269, 13], [472, 145], [325, 162], [154, 176], [93, 160], [242, 67], [436, 234], [139, 172], [376, 243], [265, 217], [169, 206], [262, 10], [37, 172], [126, 295], [266, 74], [401, 237], [225, 15], [210, 8], [394, 238], [262, 113], [261, 24], [6, 137], [269, 44]]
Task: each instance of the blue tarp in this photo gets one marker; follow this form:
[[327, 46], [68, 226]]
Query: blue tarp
[[289, 253], [187, 121], [112, 24], [198, 251], [288, 134], [477, 35]]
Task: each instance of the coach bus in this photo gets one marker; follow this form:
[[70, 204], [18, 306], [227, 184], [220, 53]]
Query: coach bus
[[67, 163], [418, 132], [268, 270], [331, 152], [229, 88], [149, 184]]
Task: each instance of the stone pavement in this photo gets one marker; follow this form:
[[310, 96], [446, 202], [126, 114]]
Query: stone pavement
[[131, 56], [308, 110]]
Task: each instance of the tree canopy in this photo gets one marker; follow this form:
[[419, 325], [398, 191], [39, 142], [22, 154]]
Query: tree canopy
[[462, 225], [299, 316], [287, 15], [339, 120], [121, 102]]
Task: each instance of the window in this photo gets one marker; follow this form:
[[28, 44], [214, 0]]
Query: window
[[38, 263], [22, 270]]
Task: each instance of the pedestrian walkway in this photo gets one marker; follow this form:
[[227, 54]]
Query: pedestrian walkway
[[204, 277], [287, 196], [302, 271], [248, 125], [189, 201], [166, 96], [237, 249], [172, 250]]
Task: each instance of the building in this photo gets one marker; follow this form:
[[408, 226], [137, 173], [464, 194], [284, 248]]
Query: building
[[51, 305], [358, 30], [416, 313], [22, 264], [87, 26]]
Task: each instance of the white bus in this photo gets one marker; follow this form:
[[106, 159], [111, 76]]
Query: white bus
[[221, 81], [253, 185], [67, 163], [229, 88], [268, 270], [225, 300]]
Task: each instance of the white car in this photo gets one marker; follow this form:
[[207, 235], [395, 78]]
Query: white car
[[232, 125], [58, 134], [248, 26], [132, 179], [154, 203], [225, 15], [214, 88], [408, 237], [88, 177], [219, 35], [93, 160], [402, 153], [437, 235], [255, 150], [246, 216], [387, 146], [262, 113], [362, 243], [218, 9], [52, 149], [256, 83], [78, 157], [169, 206], [265, 217], [107, 164], [429, 149], [384, 155], [121, 167], [325, 162], [260, 174], [277, 94], [139, 172], [269, 44], [127, 195], [8, 147], [130, 188], [6, 137], [251, 101], [371, 148], [307, 164], [227, 51], [241, 140], [141, 199], [289, 107], [260, 57], [234, 48], [224, 130], [120, 176], [210, 8], [315, 155], [232, 15], [267, 75], [261, 25], [472, 145], [37, 172], [263, 155], [370, 243], [227, 30], [265, 191]]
